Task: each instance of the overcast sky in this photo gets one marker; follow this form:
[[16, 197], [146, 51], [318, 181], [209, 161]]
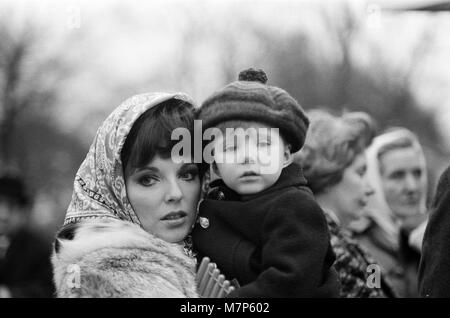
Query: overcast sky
[[116, 39]]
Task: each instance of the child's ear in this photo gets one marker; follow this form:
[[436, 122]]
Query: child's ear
[[288, 157]]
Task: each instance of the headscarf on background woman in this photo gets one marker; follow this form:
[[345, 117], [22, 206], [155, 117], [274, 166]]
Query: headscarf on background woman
[[103, 247], [384, 232]]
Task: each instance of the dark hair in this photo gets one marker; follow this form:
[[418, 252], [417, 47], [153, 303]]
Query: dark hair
[[12, 189], [151, 133], [332, 144]]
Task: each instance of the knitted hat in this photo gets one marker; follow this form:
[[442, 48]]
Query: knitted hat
[[251, 99]]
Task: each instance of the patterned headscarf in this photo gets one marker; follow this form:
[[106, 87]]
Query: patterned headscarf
[[99, 186]]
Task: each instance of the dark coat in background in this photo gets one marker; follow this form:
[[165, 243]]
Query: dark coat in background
[[25, 268], [400, 264], [434, 271], [275, 243]]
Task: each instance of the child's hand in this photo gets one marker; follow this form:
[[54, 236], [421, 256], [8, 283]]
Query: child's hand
[[210, 283]]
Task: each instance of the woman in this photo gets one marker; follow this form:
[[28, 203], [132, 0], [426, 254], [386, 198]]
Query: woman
[[394, 225], [334, 164], [132, 207]]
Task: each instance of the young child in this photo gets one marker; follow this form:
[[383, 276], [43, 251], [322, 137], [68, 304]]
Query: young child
[[261, 225]]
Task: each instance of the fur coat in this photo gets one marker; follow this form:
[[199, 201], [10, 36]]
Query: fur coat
[[113, 258]]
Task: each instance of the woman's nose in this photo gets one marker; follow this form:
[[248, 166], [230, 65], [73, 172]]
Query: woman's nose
[[368, 189], [411, 183], [173, 192]]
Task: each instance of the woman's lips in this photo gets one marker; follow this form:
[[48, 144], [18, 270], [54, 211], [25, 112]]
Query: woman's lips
[[175, 218], [412, 200]]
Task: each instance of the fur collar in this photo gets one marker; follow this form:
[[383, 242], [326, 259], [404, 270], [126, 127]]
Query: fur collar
[[89, 236], [115, 248]]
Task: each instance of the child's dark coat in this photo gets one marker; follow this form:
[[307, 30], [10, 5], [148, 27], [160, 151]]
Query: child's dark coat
[[275, 243]]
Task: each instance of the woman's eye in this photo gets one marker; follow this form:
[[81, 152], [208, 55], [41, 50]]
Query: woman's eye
[[397, 175], [147, 181], [417, 173], [361, 172], [189, 175]]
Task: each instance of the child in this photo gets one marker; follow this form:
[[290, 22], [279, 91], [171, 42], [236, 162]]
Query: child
[[262, 226]]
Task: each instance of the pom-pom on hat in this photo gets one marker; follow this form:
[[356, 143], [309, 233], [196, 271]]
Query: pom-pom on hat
[[251, 99]]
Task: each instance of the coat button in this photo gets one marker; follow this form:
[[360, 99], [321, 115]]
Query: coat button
[[220, 195], [204, 222]]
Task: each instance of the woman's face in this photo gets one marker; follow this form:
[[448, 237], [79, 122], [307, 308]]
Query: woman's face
[[12, 217], [164, 196], [403, 178], [352, 192]]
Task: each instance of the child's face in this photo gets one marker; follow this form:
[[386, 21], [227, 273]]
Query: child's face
[[253, 161]]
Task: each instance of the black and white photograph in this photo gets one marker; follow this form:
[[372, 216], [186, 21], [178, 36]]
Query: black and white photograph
[[239, 150]]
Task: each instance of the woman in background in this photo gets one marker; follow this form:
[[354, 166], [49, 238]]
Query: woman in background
[[395, 221], [335, 166]]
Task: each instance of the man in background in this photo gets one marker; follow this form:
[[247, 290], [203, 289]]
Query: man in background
[[25, 269]]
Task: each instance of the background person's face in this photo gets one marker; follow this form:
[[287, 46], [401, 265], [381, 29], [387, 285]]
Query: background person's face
[[11, 217], [352, 192], [403, 180], [164, 196]]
